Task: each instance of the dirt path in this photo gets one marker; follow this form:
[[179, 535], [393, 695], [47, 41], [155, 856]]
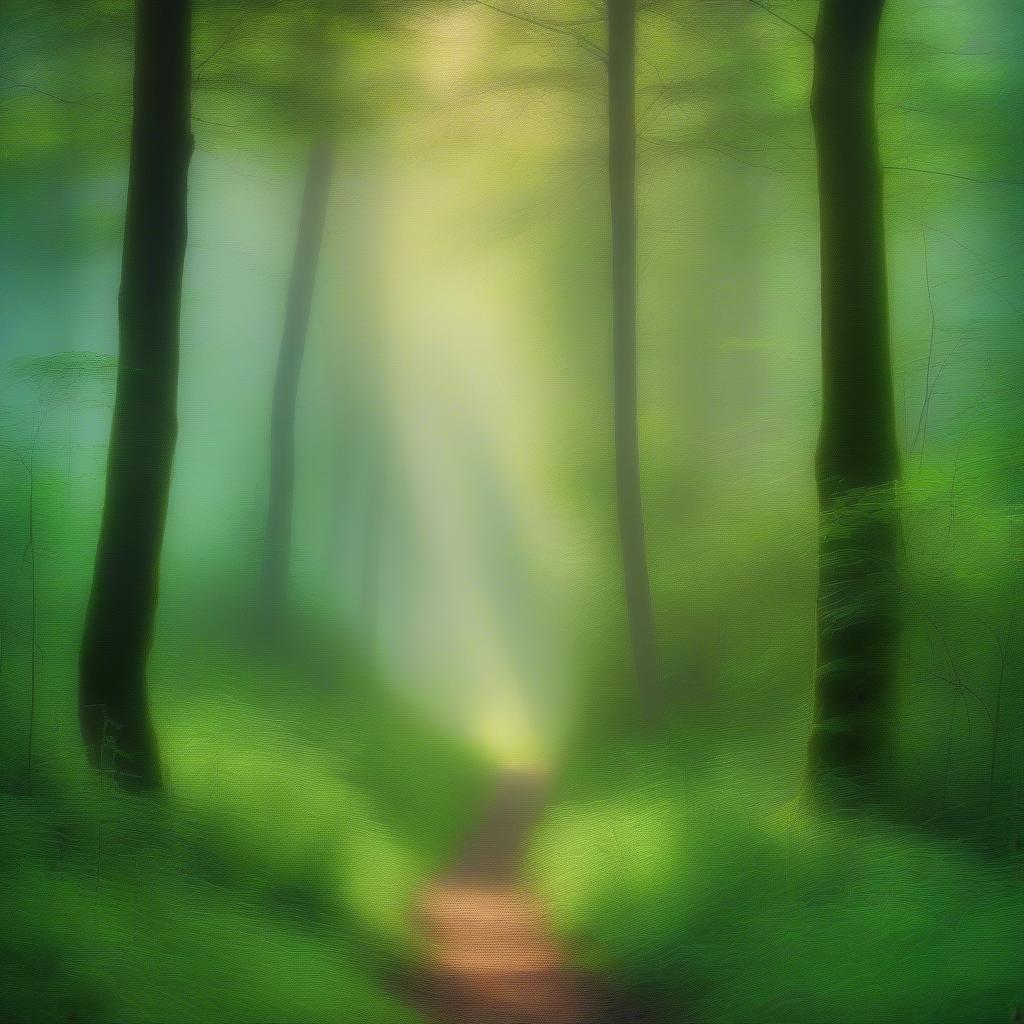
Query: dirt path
[[492, 958]]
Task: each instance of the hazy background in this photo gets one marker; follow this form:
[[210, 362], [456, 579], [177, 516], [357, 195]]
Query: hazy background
[[455, 519]]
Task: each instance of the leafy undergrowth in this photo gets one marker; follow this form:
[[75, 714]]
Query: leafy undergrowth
[[723, 903], [273, 881]]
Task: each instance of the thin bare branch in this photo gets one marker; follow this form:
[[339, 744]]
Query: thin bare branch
[[558, 28], [785, 21], [957, 177]]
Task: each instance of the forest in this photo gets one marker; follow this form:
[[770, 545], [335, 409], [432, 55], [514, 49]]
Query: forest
[[511, 511]]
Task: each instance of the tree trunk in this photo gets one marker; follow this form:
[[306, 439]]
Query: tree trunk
[[113, 702], [857, 465], [622, 182], [278, 537]]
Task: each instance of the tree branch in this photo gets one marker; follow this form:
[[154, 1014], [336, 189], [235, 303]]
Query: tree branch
[[785, 21], [560, 28], [951, 174], [14, 83]]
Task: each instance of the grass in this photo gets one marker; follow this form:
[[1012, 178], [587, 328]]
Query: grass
[[274, 882], [715, 897], [678, 865]]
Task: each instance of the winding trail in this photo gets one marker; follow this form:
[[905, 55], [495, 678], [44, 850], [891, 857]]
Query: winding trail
[[492, 958]]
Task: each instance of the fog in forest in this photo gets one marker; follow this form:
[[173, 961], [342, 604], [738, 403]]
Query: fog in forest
[[496, 485]]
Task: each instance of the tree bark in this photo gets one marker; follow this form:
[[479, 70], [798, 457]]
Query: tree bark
[[278, 536], [113, 700], [857, 462], [622, 189]]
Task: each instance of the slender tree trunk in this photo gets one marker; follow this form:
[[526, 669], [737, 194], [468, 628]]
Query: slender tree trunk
[[858, 465], [113, 702], [278, 537], [622, 182]]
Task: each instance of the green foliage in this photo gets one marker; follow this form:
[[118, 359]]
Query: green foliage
[[276, 879], [306, 806], [721, 903], [681, 864]]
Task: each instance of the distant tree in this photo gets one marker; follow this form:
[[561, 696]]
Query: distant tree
[[629, 499], [281, 493], [858, 464], [619, 18], [113, 698], [291, 90], [296, 89]]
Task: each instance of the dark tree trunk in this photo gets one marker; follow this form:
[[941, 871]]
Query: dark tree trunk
[[858, 465], [113, 702], [278, 537], [622, 182]]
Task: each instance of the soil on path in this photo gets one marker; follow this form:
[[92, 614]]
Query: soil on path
[[492, 958]]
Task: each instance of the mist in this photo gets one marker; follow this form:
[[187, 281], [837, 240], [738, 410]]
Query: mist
[[511, 512]]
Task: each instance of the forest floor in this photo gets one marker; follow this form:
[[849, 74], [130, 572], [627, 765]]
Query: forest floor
[[491, 957]]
